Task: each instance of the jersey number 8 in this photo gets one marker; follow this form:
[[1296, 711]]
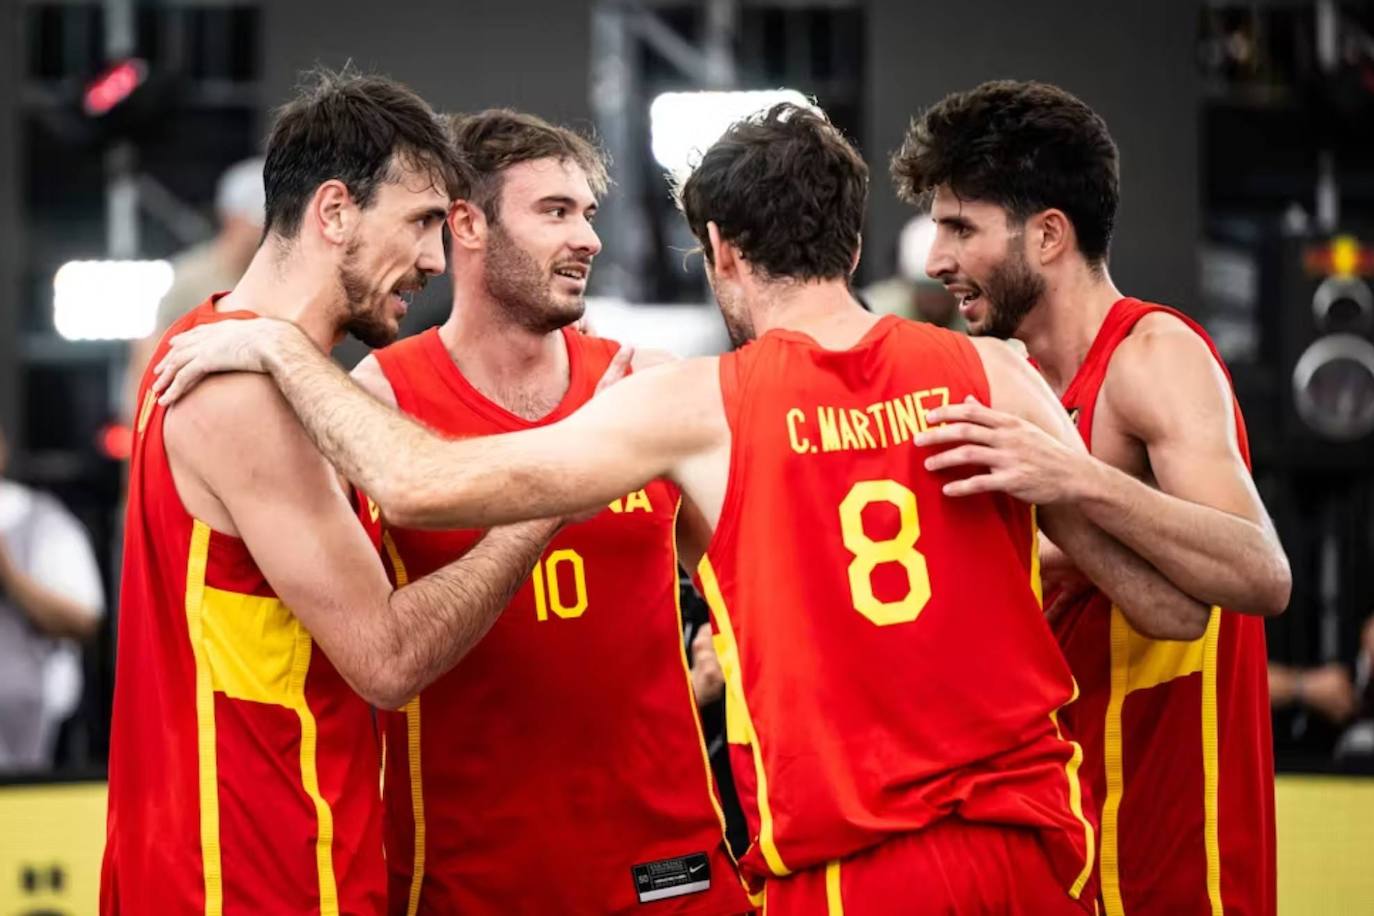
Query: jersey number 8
[[869, 554]]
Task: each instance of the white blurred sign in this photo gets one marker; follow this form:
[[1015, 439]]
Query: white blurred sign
[[108, 300]]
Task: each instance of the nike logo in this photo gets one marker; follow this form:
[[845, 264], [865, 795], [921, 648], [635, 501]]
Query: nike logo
[[693, 869]]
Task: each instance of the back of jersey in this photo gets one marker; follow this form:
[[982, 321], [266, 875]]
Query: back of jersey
[[893, 663]]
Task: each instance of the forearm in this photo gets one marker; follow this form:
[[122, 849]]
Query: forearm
[[385, 453], [50, 611], [1154, 605], [435, 621], [1215, 556]]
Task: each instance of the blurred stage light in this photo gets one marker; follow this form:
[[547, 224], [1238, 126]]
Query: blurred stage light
[[684, 124], [108, 300], [115, 84], [116, 440]]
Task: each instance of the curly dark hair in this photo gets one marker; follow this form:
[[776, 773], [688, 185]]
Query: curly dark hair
[[1025, 146], [492, 141], [355, 128], [786, 188]]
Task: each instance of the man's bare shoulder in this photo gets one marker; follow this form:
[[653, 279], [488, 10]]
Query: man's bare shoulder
[[370, 377], [681, 397], [1162, 373], [235, 417], [647, 359], [675, 369]]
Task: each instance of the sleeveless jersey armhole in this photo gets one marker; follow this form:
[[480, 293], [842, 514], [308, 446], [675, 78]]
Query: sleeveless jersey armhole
[[396, 362], [733, 374]]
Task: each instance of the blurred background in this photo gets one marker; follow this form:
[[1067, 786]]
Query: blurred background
[[1246, 133]]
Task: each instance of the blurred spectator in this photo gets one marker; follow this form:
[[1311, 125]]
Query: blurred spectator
[[1342, 698], [1358, 740], [50, 595], [910, 293], [708, 681], [210, 267]]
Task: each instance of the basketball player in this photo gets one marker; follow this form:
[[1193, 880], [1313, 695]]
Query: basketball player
[[896, 686], [1023, 178], [257, 622], [559, 768]]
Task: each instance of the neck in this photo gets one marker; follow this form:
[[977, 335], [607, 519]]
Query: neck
[[1062, 326], [498, 355], [293, 289], [825, 310]]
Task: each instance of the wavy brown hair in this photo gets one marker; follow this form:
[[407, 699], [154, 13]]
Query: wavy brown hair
[[1024, 146], [356, 128], [492, 141], [787, 189]]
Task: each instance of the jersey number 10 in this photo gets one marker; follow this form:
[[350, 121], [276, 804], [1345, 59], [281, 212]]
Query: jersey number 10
[[870, 554], [548, 594]]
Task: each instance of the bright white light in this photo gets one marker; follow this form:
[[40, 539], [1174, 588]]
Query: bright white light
[[685, 124], [108, 300]]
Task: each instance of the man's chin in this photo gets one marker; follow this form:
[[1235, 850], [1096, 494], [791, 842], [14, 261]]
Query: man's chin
[[568, 311], [376, 334]]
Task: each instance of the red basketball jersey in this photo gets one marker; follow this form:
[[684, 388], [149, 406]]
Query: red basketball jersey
[[559, 767], [1176, 735], [243, 769], [885, 648]]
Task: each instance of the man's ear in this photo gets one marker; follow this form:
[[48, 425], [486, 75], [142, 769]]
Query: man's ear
[[467, 223], [1053, 235], [332, 212], [725, 257]]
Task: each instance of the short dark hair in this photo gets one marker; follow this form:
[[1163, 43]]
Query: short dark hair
[[355, 128], [492, 141], [1025, 146], [787, 189]]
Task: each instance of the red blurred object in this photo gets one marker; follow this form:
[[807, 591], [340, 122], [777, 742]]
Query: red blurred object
[[116, 441], [113, 86]]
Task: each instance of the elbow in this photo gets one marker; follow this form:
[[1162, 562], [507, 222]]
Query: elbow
[[1182, 620], [1191, 625], [383, 676], [385, 689], [1277, 588], [1188, 624], [84, 628], [405, 503]]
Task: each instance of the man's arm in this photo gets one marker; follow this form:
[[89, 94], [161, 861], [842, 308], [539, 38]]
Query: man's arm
[[1024, 432], [1205, 526], [614, 444], [281, 498], [55, 611]]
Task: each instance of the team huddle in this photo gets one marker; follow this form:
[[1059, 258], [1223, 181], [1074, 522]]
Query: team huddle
[[409, 642]]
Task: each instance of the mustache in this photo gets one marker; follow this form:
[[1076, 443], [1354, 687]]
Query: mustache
[[411, 283]]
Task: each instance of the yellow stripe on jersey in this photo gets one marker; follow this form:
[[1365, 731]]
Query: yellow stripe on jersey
[[417, 804], [834, 903], [716, 601], [146, 411], [1076, 802], [736, 726], [691, 699], [197, 559], [1211, 764], [256, 650], [310, 778], [1036, 586], [413, 759], [1139, 663]]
